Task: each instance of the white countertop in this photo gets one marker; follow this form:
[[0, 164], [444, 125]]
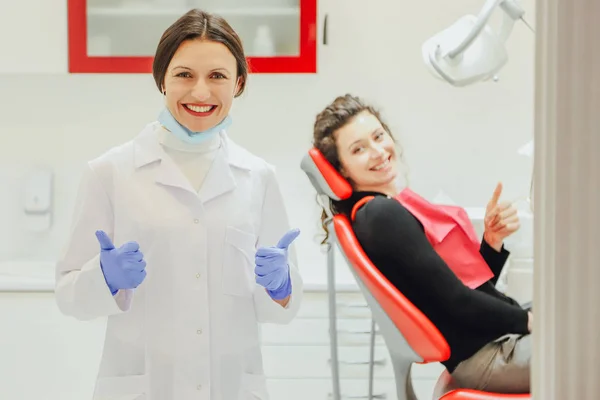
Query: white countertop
[[31, 284], [26, 276], [25, 284], [38, 276]]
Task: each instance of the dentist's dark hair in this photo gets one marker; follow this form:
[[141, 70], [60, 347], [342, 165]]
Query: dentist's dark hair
[[201, 25], [335, 116]]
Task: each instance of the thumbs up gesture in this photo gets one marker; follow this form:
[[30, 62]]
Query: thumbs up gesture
[[123, 268], [501, 220], [272, 269]]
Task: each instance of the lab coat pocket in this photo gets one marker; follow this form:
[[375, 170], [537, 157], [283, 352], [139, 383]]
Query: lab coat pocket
[[253, 387], [238, 263], [131, 387]]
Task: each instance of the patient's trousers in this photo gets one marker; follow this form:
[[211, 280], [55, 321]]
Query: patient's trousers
[[502, 366]]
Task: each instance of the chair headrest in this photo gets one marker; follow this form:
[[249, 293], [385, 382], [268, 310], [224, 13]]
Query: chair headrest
[[324, 176]]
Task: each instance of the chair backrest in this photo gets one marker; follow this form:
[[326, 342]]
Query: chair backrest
[[419, 333]]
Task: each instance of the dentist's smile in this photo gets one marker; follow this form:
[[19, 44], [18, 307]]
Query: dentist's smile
[[198, 110]]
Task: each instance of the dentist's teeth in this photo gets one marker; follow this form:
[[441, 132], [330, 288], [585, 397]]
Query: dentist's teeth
[[382, 165], [199, 108]]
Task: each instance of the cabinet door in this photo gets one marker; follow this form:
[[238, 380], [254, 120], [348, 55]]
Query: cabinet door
[[363, 43], [32, 37], [46, 355], [122, 35]]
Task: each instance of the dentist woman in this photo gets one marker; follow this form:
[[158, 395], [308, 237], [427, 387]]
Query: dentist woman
[[180, 237]]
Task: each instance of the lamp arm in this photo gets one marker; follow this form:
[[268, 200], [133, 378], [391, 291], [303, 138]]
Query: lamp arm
[[482, 18]]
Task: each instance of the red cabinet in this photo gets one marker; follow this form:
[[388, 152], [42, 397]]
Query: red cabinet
[[120, 36]]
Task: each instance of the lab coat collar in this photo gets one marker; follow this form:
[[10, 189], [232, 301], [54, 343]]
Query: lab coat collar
[[148, 149], [220, 178], [146, 146]]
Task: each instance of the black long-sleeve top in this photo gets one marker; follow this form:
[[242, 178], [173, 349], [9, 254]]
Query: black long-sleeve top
[[468, 318]]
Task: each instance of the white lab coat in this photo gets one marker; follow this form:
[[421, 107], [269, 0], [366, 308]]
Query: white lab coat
[[190, 330]]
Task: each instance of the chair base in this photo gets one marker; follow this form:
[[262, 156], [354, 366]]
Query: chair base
[[446, 389]]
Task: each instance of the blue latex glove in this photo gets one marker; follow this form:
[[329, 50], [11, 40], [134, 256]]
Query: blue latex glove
[[272, 269], [123, 268]]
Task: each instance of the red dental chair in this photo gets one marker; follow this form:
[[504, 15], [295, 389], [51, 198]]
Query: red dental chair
[[408, 334]]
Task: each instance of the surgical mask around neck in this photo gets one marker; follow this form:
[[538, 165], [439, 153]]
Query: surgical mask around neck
[[172, 125]]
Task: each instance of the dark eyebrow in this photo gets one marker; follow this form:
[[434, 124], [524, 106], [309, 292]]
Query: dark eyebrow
[[372, 133], [221, 69], [189, 69]]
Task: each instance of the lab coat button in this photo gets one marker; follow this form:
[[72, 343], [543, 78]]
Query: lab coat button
[[197, 276], [199, 331], [199, 387], [196, 220]]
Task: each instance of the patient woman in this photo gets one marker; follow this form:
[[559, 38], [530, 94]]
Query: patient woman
[[488, 332]]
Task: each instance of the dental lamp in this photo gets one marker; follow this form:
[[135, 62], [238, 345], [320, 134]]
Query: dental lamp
[[469, 50]]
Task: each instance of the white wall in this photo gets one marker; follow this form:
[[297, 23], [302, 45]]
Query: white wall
[[459, 140]]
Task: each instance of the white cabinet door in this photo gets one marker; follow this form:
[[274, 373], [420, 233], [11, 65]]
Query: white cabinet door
[[355, 389], [33, 36], [46, 355], [360, 44], [350, 305], [308, 362], [315, 331]]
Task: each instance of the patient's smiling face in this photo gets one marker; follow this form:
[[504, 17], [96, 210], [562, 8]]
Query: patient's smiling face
[[367, 154]]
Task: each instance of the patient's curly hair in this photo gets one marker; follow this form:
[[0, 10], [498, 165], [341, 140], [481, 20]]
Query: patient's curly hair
[[334, 117]]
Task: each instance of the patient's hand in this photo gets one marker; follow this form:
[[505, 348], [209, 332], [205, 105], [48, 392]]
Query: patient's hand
[[501, 220]]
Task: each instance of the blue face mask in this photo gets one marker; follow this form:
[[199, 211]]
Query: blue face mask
[[168, 121]]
